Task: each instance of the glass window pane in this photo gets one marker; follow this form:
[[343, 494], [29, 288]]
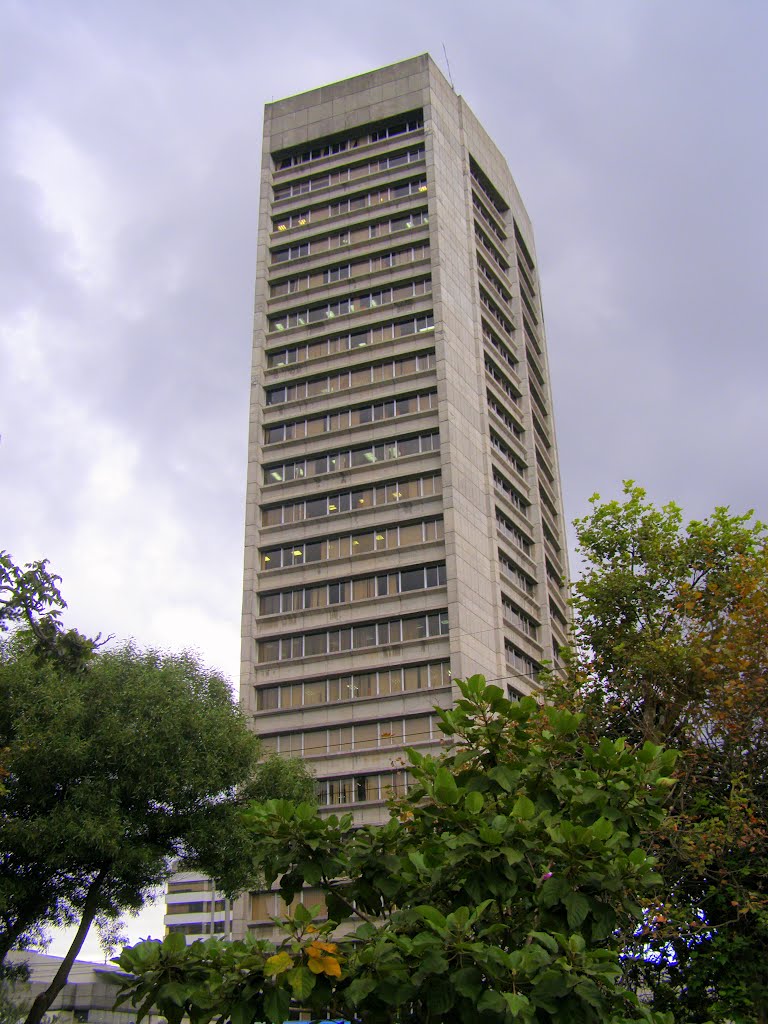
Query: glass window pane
[[340, 739], [315, 742], [316, 507], [417, 729], [414, 628], [267, 698], [269, 650], [315, 643], [314, 693], [439, 674], [313, 551], [410, 534], [263, 906], [364, 588], [271, 558], [411, 579], [415, 677], [366, 735], [339, 689], [362, 543], [345, 639], [391, 681], [269, 604], [366, 788], [364, 636], [315, 597], [365, 684], [390, 733], [290, 696]]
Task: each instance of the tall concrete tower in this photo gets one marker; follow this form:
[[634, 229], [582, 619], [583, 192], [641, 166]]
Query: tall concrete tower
[[404, 516]]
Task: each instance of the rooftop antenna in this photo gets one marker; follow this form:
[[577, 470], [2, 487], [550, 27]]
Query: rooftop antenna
[[447, 64]]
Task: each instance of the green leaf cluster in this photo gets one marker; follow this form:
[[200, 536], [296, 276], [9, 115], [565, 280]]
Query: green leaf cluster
[[670, 628], [114, 765], [498, 890]]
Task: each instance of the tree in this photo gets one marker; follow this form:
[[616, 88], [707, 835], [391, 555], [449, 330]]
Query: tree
[[30, 595], [14, 1003], [498, 890], [285, 777], [670, 646], [117, 763]]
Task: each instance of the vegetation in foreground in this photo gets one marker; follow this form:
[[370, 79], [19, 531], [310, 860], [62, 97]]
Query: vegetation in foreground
[[502, 887], [115, 764]]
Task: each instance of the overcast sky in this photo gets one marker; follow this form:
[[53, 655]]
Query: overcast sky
[[129, 158]]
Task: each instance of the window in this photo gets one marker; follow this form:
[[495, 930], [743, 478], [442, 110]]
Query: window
[[269, 604], [365, 788], [267, 698], [346, 501], [360, 686], [366, 735], [315, 743], [417, 730], [314, 693], [337, 274], [366, 635], [355, 457]]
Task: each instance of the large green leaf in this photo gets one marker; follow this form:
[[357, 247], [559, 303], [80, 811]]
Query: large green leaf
[[446, 790], [524, 808], [492, 1001], [577, 905], [553, 891], [468, 982], [474, 802], [277, 1002], [517, 1004], [302, 981], [359, 989], [602, 829]]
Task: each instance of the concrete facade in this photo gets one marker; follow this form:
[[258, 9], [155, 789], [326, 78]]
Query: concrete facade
[[404, 521], [87, 998]]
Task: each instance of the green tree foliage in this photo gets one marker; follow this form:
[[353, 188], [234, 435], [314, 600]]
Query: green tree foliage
[[116, 762], [671, 621], [285, 777], [28, 595], [499, 889], [14, 1001]]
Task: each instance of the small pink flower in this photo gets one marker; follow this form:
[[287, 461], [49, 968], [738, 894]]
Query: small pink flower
[[546, 875]]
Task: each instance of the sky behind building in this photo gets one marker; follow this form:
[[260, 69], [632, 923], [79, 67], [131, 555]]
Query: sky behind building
[[129, 164]]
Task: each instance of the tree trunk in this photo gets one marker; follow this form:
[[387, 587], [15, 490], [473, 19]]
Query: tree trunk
[[43, 1002]]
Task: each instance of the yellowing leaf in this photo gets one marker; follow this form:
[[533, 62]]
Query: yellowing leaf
[[316, 966], [331, 967], [278, 963], [327, 947]]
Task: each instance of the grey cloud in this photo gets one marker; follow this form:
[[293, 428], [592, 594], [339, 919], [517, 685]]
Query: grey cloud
[[633, 132]]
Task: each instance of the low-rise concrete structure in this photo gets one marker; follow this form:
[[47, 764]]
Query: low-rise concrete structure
[[87, 998]]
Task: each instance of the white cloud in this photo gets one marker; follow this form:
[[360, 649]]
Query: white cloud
[[77, 200]]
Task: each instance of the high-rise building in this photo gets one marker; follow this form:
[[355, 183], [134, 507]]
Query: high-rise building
[[404, 516]]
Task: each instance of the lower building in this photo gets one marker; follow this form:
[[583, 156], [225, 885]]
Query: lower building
[[87, 998]]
